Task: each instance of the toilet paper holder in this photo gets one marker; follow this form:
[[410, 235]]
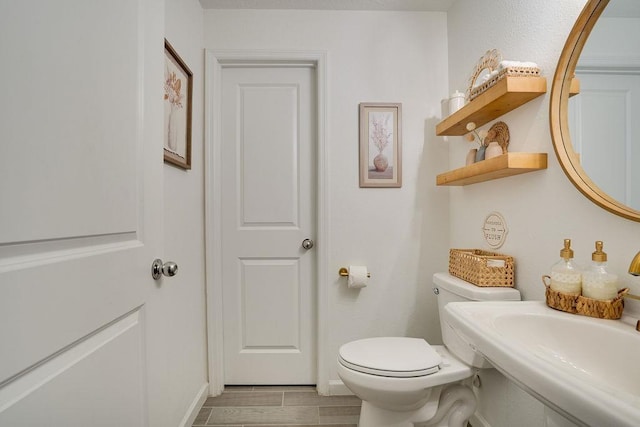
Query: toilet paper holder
[[344, 272]]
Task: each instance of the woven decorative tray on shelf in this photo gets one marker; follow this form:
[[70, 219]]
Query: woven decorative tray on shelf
[[490, 69], [578, 304], [482, 268], [475, 91]]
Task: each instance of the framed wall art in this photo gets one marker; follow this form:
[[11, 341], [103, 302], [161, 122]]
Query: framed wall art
[[178, 86], [380, 145]]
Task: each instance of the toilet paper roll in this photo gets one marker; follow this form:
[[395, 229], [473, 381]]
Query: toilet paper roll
[[358, 276]]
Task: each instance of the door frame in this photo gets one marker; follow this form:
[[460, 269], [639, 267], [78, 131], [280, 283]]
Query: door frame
[[215, 61]]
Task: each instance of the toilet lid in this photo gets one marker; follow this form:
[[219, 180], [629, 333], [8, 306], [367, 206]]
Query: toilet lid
[[391, 357]]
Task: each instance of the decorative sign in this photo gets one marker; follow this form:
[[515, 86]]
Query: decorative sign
[[495, 230]]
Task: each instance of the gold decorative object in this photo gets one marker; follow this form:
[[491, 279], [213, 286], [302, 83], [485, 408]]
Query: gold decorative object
[[499, 133]]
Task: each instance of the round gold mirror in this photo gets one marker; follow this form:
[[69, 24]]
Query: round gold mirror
[[589, 169]]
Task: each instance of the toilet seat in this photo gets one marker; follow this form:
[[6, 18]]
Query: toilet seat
[[397, 357]]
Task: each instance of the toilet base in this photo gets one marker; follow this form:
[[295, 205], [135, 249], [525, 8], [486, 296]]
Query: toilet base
[[451, 406]]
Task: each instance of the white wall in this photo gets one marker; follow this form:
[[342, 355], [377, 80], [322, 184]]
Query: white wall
[[541, 208], [184, 229], [404, 235], [400, 234]]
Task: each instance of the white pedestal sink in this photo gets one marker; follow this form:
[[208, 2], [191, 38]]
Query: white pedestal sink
[[586, 369]]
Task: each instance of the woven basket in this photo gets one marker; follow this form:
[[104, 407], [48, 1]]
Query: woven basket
[[475, 91], [578, 304], [610, 309], [472, 265], [559, 300]]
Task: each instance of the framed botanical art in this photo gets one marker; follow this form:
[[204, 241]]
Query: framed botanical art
[[380, 145], [178, 87]]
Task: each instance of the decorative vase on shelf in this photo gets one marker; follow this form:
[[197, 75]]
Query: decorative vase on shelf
[[480, 153], [493, 150], [471, 156]]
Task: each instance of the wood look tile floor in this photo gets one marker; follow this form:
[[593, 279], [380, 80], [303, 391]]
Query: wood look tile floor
[[278, 406]]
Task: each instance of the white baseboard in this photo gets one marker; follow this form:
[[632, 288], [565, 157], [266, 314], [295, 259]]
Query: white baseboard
[[194, 408], [337, 388], [478, 420]]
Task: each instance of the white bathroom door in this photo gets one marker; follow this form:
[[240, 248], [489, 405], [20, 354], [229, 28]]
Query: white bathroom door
[[268, 209], [78, 210], [615, 96]]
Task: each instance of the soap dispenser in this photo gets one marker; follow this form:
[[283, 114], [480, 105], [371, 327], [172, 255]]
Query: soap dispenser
[[566, 275], [597, 282]]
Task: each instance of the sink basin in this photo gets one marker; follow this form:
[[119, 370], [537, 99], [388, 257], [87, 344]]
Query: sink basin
[[587, 369]]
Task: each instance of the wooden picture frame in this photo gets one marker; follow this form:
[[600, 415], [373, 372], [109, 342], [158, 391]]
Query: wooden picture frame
[[178, 91], [380, 145]]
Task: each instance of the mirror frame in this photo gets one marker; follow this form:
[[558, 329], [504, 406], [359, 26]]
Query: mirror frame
[[558, 113]]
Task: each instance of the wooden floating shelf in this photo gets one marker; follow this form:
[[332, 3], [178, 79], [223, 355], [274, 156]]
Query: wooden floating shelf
[[507, 94], [498, 167]]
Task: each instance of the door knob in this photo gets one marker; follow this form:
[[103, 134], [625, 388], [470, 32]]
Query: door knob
[[307, 244], [158, 268]]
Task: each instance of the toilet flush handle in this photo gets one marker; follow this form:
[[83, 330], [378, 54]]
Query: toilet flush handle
[[436, 291]]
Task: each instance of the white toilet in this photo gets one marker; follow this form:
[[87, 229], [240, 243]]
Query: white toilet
[[405, 382]]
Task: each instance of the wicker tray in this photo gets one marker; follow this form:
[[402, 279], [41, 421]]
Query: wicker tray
[[475, 91], [578, 304], [473, 266]]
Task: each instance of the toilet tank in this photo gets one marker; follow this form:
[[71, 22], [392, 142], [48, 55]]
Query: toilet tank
[[448, 289]]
